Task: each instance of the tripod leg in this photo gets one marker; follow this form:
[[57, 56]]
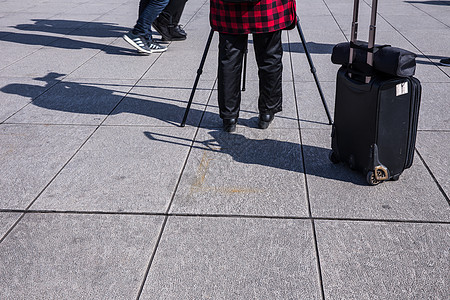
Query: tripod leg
[[199, 72], [245, 69], [313, 71]]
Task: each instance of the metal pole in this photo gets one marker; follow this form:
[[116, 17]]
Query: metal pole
[[371, 44], [199, 72], [245, 68], [313, 71]]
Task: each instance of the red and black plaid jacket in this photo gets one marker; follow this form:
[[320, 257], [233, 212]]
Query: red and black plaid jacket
[[252, 17]]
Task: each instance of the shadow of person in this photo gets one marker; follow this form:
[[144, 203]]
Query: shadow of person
[[74, 27], [107, 99], [68, 28], [271, 153], [62, 43]]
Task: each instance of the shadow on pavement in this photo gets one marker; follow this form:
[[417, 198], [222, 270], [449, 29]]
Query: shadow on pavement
[[445, 3], [68, 28], [73, 27], [271, 153], [313, 48], [92, 98], [112, 99]]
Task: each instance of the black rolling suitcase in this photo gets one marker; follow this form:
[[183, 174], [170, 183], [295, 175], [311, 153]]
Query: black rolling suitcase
[[375, 117]]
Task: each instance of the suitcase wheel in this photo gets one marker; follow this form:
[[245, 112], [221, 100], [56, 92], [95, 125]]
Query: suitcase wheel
[[333, 157], [371, 180]]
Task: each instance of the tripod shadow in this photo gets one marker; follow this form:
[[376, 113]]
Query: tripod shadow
[[106, 99], [444, 3], [314, 48], [270, 153], [425, 59], [71, 28]]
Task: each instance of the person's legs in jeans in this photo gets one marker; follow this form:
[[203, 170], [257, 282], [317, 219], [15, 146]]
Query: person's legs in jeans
[[231, 51], [269, 53], [141, 35], [148, 12]]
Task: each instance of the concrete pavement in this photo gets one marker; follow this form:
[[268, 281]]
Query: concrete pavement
[[104, 196]]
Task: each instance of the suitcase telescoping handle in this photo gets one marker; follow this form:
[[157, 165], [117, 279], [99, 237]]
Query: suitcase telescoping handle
[[372, 29]]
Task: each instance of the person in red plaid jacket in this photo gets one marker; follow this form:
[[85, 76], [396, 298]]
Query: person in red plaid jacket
[[234, 21]]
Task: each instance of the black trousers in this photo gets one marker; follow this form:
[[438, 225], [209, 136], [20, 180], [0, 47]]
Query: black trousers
[[269, 53], [171, 15]]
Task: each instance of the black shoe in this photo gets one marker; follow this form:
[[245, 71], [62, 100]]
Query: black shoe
[[229, 125], [177, 32], [265, 119], [169, 32]]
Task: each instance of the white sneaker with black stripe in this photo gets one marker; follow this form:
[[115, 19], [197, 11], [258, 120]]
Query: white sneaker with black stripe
[[142, 44], [155, 47], [137, 42]]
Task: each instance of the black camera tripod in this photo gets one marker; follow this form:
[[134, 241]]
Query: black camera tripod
[[200, 71]]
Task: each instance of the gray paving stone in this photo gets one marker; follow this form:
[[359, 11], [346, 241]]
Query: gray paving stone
[[435, 43], [119, 60], [317, 41], [74, 101], [52, 7], [231, 258], [337, 192], [48, 60], [311, 110], [433, 113], [14, 52], [422, 22], [161, 103], [7, 220], [325, 69], [250, 172], [77, 256], [31, 156], [434, 147], [93, 8], [183, 64], [13, 6], [367, 260], [121, 169]]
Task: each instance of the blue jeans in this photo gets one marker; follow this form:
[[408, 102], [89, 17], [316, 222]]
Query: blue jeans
[[148, 12]]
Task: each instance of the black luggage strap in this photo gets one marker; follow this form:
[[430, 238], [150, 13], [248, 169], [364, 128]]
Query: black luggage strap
[[365, 48]]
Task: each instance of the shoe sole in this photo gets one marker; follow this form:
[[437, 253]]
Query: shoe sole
[[132, 43], [158, 51]]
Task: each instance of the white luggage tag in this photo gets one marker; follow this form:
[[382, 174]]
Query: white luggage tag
[[401, 88]]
